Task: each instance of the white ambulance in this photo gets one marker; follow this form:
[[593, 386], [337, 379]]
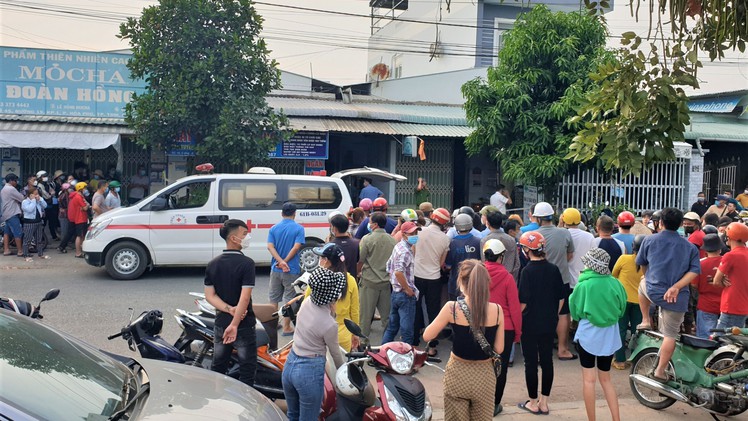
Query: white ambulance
[[178, 225]]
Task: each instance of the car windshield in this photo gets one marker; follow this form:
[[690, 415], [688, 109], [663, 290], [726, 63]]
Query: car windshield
[[49, 375]]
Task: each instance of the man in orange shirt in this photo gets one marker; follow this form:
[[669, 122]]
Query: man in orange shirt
[[732, 275]]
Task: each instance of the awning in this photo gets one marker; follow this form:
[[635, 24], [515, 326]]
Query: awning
[[347, 125], [56, 140], [713, 127]]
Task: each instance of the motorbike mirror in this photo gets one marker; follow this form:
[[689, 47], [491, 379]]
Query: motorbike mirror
[[354, 328], [51, 295]]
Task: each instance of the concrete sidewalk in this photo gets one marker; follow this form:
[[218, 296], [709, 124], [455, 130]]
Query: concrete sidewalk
[[630, 409]]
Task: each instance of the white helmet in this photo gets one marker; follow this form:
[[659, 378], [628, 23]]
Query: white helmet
[[409, 215], [349, 382], [333, 214], [543, 210]]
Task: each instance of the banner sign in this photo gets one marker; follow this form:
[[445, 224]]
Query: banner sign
[[65, 83], [303, 145], [312, 166], [184, 145]]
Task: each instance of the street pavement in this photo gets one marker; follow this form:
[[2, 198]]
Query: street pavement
[[92, 306]]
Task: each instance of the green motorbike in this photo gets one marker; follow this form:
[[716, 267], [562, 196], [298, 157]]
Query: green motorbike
[[707, 374]]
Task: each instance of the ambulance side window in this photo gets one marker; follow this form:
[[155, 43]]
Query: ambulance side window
[[249, 195], [314, 195], [192, 195]]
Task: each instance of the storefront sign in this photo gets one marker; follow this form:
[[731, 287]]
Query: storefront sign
[[184, 145], [714, 105], [65, 83], [303, 145], [312, 166]]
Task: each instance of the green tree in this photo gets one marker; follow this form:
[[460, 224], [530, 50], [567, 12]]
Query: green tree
[[207, 72], [639, 109], [519, 112]]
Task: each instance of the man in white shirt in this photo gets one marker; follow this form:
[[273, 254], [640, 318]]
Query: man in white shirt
[[501, 198], [431, 252], [583, 242]]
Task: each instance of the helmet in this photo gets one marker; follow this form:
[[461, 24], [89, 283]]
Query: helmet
[[151, 322], [710, 229], [638, 240], [349, 380], [330, 251], [379, 204], [114, 183], [494, 247], [440, 216], [467, 210], [626, 219], [331, 215], [572, 216], [365, 204], [41, 173], [463, 222], [737, 231], [692, 216], [532, 240], [65, 186], [743, 215], [657, 215], [485, 210], [80, 185], [543, 210], [21, 307], [409, 215], [455, 213]]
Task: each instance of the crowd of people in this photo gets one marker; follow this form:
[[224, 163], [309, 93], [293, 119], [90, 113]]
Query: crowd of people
[[61, 204], [486, 282]]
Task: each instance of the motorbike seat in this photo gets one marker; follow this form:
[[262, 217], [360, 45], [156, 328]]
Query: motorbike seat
[[208, 321], [696, 342]]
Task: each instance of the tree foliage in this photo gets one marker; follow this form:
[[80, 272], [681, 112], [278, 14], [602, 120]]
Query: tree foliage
[[635, 113], [519, 111], [632, 119], [207, 72]]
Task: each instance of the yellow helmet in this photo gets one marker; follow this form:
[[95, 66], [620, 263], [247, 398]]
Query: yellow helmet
[[80, 185], [572, 216]]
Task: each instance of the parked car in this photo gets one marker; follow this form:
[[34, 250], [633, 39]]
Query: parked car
[[178, 225], [48, 375]]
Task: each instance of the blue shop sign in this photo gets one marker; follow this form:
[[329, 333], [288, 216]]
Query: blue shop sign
[[184, 145], [714, 105], [65, 83], [303, 145]]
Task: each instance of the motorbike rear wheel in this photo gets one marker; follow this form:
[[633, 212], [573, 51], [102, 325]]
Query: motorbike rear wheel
[[722, 362], [644, 364]]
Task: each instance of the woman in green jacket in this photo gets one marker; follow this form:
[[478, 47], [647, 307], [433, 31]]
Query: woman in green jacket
[[598, 301]]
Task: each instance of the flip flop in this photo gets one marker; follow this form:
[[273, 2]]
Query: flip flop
[[572, 358], [659, 379], [282, 333], [80, 256], [643, 327], [524, 406]]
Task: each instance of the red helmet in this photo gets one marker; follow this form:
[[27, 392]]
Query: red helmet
[[532, 240], [626, 218], [379, 204], [440, 216], [737, 231]]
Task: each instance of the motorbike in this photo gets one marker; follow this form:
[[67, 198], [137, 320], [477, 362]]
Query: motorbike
[[25, 308], [194, 346], [708, 374], [350, 395]]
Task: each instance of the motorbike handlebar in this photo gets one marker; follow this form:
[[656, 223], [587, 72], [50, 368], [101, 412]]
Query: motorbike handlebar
[[355, 355], [434, 359], [731, 331], [116, 335]]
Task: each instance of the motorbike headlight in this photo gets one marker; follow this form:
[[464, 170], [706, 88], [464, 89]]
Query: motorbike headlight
[[402, 414], [97, 228], [401, 363]]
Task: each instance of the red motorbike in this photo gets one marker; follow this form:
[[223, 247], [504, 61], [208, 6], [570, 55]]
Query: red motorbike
[[398, 396]]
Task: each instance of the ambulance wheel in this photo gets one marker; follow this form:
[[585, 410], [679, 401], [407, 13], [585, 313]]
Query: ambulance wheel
[[307, 259], [126, 261]]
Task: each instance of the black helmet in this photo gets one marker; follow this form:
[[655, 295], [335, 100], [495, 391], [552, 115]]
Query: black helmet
[[467, 210], [710, 229], [657, 215], [638, 240], [152, 322]]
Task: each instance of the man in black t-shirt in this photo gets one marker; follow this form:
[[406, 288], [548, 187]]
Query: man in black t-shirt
[[339, 228], [229, 280]]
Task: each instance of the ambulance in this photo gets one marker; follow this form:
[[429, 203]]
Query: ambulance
[[178, 225]]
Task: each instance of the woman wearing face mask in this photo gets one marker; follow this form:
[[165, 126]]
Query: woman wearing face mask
[[138, 188], [33, 222], [316, 333], [62, 214], [112, 200]]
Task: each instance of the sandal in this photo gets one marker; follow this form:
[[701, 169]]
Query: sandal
[[61, 250], [642, 326], [623, 365], [435, 352], [80, 256], [44, 257], [526, 408]]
